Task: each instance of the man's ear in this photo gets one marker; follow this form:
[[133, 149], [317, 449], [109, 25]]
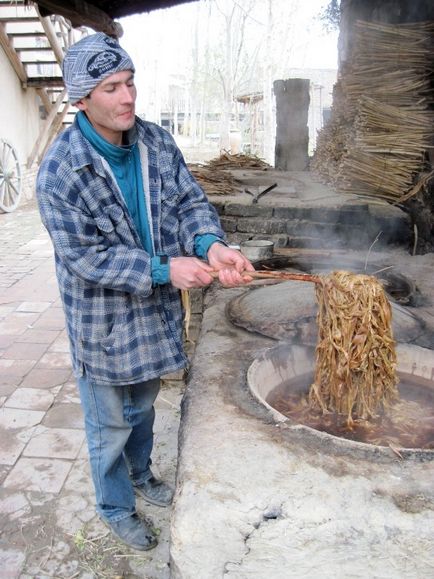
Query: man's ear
[[80, 104]]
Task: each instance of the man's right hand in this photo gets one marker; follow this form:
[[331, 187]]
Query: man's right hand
[[189, 272]]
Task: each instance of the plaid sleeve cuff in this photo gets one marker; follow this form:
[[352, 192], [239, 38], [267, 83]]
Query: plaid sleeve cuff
[[160, 270]]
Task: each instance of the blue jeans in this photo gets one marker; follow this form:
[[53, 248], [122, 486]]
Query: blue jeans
[[119, 424]]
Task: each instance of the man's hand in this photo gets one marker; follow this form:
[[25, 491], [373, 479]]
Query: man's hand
[[230, 263], [189, 272]]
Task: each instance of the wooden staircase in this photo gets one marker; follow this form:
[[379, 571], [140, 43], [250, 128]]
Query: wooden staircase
[[35, 46]]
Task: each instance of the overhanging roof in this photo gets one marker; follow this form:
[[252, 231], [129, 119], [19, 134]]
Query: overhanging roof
[[100, 14]]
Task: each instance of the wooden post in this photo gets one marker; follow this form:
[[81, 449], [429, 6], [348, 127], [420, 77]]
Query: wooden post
[[49, 30], [42, 138], [54, 129], [292, 134], [12, 55], [42, 93]]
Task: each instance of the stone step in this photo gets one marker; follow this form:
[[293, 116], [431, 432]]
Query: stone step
[[319, 228]]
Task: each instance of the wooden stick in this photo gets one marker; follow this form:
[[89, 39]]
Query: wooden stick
[[278, 275]]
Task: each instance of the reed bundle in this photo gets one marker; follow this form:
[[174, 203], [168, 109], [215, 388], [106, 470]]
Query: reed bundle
[[381, 125], [386, 149], [215, 177], [355, 371], [238, 161], [214, 181]]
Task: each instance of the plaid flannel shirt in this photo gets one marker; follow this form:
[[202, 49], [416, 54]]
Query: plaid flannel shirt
[[122, 330]]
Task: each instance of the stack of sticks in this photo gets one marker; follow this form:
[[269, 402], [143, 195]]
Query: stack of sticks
[[215, 178], [214, 181], [381, 126], [238, 161]]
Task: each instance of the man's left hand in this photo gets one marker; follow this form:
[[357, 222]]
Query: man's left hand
[[231, 265]]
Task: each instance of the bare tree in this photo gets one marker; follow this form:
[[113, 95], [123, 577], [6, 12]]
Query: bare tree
[[277, 55], [194, 88], [234, 16], [206, 72], [268, 152]]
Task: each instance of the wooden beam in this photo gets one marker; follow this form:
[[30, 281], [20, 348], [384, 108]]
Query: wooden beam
[[38, 49], [46, 101], [39, 61], [81, 13], [48, 27], [44, 82], [55, 127], [46, 129], [35, 33], [12, 55], [19, 19]]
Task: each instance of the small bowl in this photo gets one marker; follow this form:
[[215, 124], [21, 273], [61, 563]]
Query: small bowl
[[255, 249]]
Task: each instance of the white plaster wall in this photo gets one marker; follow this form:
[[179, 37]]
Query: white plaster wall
[[19, 111]]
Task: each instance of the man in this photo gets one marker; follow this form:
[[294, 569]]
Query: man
[[130, 228]]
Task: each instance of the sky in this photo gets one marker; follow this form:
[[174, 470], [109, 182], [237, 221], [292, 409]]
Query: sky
[[160, 42], [169, 31]]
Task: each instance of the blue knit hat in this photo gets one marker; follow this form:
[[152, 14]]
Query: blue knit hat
[[89, 61]]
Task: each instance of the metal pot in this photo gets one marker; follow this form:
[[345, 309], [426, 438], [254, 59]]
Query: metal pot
[[255, 249]]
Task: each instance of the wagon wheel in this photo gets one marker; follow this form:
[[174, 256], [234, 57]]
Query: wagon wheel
[[10, 177]]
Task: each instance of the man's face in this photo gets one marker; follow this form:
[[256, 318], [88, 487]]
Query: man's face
[[110, 107]]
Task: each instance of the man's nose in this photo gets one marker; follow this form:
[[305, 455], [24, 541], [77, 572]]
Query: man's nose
[[128, 94]]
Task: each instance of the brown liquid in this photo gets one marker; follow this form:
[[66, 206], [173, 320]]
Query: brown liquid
[[409, 423]]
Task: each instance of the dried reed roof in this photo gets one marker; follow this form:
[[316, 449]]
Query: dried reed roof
[[98, 13]]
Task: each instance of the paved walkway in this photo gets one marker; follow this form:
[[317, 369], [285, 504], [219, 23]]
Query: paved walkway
[[48, 524]]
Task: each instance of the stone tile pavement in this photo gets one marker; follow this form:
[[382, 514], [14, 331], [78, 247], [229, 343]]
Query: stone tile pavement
[[48, 527]]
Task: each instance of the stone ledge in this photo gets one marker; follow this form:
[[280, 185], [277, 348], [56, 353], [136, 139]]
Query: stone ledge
[[255, 498]]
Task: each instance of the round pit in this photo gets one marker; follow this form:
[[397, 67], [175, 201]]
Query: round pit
[[286, 371]]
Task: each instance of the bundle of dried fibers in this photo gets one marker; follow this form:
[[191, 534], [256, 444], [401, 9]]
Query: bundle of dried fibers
[[355, 372]]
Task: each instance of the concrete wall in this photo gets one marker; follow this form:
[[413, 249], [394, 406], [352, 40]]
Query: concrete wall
[[19, 117]]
